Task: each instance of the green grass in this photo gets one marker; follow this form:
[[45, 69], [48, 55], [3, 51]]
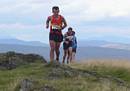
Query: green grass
[[107, 69], [10, 79]]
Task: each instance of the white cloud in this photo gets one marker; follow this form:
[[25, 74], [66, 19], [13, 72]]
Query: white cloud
[[85, 33], [81, 9], [25, 32], [75, 12], [98, 9], [18, 26]]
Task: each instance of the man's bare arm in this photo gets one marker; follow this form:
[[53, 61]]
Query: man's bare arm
[[47, 22], [64, 23]]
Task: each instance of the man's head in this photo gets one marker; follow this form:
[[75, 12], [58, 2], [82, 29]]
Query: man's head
[[70, 29], [55, 10]]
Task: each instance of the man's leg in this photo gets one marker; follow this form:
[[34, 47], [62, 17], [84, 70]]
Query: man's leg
[[57, 47], [73, 54], [64, 56], [52, 49], [70, 54]]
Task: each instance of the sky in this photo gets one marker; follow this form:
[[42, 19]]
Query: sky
[[91, 19]]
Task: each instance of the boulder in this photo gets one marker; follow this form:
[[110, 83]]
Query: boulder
[[11, 60]]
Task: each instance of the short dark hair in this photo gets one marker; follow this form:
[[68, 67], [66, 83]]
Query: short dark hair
[[70, 28], [55, 7]]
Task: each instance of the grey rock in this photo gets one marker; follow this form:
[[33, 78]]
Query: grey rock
[[26, 85], [48, 88], [30, 85], [11, 60]]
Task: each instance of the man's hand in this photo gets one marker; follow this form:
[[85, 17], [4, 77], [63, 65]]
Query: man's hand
[[67, 42], [64, 23], [47, 26]]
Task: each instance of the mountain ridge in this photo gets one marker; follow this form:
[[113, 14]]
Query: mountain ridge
[[22, 42]]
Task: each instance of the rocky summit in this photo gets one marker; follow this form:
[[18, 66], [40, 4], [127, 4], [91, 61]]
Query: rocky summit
[[11, 60], [31, 72]]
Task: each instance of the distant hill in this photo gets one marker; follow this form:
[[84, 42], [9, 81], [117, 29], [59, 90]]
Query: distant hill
[[102, 43], [93, 43], [21, 42], [43, 51], [103, 53], [81, 43], [82, 52]]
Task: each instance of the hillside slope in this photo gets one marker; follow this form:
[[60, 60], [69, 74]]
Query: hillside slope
[[42, 76]]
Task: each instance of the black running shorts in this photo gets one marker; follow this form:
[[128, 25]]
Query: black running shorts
[[67, 45], [56, 37]]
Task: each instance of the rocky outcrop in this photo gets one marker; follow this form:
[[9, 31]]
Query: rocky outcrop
[[11, 60], [59, 71], [30, 85]]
